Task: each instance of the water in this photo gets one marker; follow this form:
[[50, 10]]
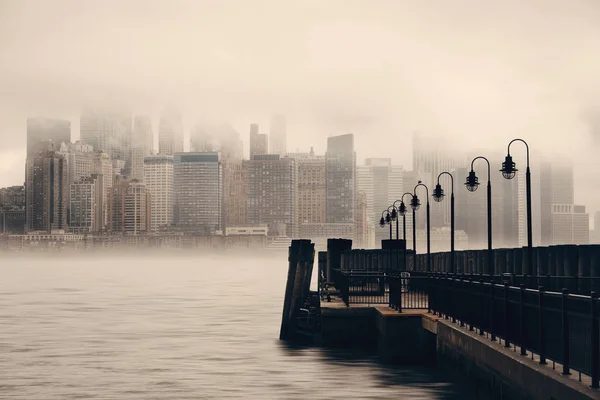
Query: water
[[172, 328]]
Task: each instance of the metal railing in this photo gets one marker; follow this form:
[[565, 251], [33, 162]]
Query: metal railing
[[397, 290], [556, 326]]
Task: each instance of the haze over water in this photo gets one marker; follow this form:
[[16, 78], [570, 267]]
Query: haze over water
[[172, 327]]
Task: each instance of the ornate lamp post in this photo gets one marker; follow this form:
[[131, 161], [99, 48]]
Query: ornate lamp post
[[415, 203], [386, 220], [402, 211], [509, 171], [472, 184], [438, 195]]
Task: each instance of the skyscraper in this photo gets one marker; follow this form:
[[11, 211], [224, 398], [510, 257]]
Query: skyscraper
[[109, 132], [102, 165], [556, 187], [87, 205], [235, 181], [258, 142], [130, 207], [42, 130], [272, 189], [340, 179], [311, 188], [198, 184], [80, 161], [142, 144], [158, 177], [46, 186], [278, 135], [221, 137], [170, 133]]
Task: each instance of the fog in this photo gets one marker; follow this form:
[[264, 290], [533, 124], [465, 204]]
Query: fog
[[477, 73]]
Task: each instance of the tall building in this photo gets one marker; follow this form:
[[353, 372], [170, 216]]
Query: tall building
[[434, 155], [340, 186], [12, 210], [570, 224], [258, 142], [46, 187], [556, 188], [103, 166], [170, 133], [87, 205], [130, 207], [278, 135], [272, 189], [198, 184], [235, 199], [40, 131], [158, 177], [210, 137], [80, 163], [142, 144], [382, 184], [310, 196], [108, 132]]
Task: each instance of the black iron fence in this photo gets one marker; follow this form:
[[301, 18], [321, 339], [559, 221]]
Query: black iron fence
[[558, 326], [398, 290]]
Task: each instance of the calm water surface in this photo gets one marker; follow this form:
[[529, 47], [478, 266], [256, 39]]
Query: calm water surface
[[172, 327]]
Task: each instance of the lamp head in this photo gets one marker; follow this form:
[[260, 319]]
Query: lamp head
[[438, 193], [472, 182], [508, 168], [382, 222], [388, 218], [394, 214], [402, 208], [415, 203]]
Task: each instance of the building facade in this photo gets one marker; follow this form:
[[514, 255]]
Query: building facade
[[107, 132], [198, 184], [87, 205], [235, 199], [259, 143], [340, 184], [130, 208], [158, 177]]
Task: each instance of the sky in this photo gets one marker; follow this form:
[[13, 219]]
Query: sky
[[477, 73]]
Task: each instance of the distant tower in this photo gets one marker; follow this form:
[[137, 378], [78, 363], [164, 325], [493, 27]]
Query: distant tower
[[107, 132], [258, 142], [340, 186], [42, 130], [87, 206], [158, 177], [170, 133], [46, 187], [142, 143], [278, 135], [130, 207]]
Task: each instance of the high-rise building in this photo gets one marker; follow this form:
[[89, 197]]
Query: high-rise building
[[108, 132], [170, 133], [570, 224], [278, 135], [40, 131], [130, 207], [198, 184], [12, 209], [102, 165], [556, 188], [310, 196], [209, 137], [158, 177], [46, 187], [381, 183], [340, 186], [259, 143], [272, 189], [235, 197], [142, 144], [80, 162], [87, 205]]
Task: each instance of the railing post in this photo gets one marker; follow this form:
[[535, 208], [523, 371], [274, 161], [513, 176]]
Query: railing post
[[398, 280], [481, 306], [471, 313], [541, 326], [522, 319], [493, 336], [506, 319], [429, 294], [565, 332], [595, 342]]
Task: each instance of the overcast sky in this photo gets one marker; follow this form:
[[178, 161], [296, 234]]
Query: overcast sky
[[477, 72]]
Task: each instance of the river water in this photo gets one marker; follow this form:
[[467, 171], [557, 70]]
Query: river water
[[173, 327]]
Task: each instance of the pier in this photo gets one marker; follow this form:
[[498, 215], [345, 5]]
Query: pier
[[510, 330]]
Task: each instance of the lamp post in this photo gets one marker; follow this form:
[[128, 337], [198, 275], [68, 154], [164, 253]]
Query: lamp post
[[386, 220], [472, 184], [402, 211], [395, 217], [415, 203], [509, 171], [438, 195]]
